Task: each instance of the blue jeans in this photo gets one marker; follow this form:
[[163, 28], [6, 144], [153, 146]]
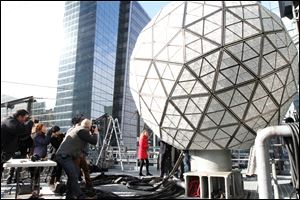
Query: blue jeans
[[72, 171], [186, 163]]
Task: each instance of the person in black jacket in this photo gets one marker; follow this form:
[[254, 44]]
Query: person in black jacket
[[11, 130], [24, 145], [180, 170], [70, 150], [56, 140], [165, 158]]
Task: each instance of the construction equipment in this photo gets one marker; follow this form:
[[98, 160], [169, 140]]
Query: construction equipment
[[106, 154], [11, 104]]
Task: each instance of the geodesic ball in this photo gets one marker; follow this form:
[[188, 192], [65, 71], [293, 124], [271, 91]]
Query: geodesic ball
[[209, 75]]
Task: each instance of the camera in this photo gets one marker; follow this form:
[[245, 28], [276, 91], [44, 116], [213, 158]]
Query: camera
[[35, 158], [93, 127], [96, 124]]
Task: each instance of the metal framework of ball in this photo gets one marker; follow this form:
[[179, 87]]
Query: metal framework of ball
[[209, 75]]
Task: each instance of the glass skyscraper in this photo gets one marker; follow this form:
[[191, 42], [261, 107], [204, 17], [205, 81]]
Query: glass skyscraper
[[132, 20], [87, 64], [94, 64]]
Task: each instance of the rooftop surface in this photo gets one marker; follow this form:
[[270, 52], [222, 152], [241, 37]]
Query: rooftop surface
[[250, 185]]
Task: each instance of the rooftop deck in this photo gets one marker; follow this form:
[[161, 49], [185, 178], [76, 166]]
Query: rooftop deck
[[250, 185]]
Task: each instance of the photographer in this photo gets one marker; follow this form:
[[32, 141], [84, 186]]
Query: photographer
[[33, 129], [41, 140], [56, 140], [81, 160], [70, 149], [83, 164], [24, 144], [11, 130], [75, 122]]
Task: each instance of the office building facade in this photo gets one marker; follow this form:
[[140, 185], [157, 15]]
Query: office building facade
[[93, 71], [87, 64], [132, 20]]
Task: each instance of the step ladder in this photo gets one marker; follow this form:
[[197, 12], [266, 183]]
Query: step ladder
[[104, 156]]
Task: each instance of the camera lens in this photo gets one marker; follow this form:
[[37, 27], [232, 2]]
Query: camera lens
[[35, 158]]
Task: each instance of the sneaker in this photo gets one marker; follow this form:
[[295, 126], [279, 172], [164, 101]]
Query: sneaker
[[141, 174], [149, 174], [60, 188]]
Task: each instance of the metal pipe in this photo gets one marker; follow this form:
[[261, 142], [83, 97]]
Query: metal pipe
[[262, 157], [274, 178]]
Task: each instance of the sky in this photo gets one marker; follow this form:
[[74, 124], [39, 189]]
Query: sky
[[31, 42], [152, 7]]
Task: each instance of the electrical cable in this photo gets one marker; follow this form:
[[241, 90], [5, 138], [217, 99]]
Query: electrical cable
[[177, 164], [30, 84], [292, 145], [163, 189]]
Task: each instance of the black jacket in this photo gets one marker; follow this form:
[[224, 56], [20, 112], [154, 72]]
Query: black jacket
[[165, 148], [25, 140], [11, 130], [56, 141]]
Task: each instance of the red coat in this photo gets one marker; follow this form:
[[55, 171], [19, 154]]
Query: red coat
[[143, 148]]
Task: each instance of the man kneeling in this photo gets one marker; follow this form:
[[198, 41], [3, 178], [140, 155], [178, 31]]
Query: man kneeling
[[69, 151]]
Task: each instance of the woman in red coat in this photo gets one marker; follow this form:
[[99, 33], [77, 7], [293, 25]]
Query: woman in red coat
[[142, 152]]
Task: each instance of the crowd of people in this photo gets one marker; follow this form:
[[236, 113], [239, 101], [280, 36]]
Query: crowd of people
[[24, 137]]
